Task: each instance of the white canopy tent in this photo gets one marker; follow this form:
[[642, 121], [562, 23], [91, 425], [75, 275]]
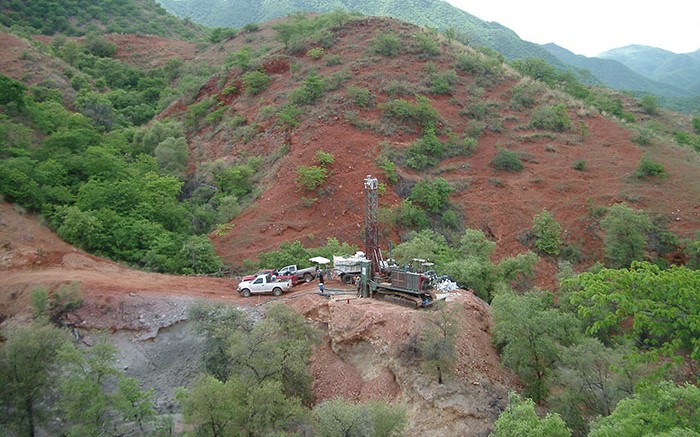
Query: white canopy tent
[[320, 260]]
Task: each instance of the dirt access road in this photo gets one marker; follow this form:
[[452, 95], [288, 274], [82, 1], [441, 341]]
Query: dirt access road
[[116, 297]]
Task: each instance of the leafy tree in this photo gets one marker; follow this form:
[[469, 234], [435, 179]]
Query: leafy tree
[[474, 268], [100, 46], [537, 68], [547, 233], [426, 244], [433, 195], [625, 235], [664, 305], [338, 416], [212, 407], [437, 343], [517, 270], [28, 364], [529, 334], [649, 104], [198, 255], [278, 348], [593, 378], [520, 419], [11, 91], [172, 155], [87, 405], [658, 409], [287, 253], [216, 323]]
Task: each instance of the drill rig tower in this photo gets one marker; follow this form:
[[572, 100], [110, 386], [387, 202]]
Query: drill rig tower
[[372, 250]]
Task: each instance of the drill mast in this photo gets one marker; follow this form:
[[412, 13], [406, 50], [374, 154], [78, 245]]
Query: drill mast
[[372, 250]]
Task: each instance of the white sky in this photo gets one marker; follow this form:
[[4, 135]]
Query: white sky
[[594, 26]]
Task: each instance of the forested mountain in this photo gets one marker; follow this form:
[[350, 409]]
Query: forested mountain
[[615, 74], [436, 14], [78, 17], [679, 70]]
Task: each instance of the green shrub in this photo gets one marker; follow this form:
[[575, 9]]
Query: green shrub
[[649, 168], [456, 146], [424, 44], [649, 104], [324, 158], [547, 233], [480, 110], [289, 115], [432, 195], [450, 219], [315, 53], [250, 28], [477, 64], [696, 124], [421, 112], [255, 82], [310, 177], [392, 177], [554, 118], [361, 96], [332, 60], [387, 44], [411, 216], [441, 83], [579, 165], [310, 91], [524, 95], [425, 152], [507, 160]]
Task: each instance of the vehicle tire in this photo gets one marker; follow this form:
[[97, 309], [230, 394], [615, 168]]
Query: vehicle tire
[[347, 279], [277, 291], [308, 277], [245, 292]]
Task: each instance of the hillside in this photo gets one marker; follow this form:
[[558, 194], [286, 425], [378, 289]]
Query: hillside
[[499, 202], [435, 14], [79, 17]]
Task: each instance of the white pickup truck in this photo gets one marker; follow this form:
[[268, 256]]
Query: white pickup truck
[[308, 274], [263, 284]]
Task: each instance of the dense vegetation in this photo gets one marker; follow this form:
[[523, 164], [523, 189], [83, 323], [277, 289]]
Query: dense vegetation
[[111, 188], [79, 17], [255, 381]]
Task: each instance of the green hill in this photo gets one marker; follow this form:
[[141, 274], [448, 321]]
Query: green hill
[[436, 14], [79, 17]]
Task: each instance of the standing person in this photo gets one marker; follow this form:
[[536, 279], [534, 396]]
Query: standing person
[[320, 277]]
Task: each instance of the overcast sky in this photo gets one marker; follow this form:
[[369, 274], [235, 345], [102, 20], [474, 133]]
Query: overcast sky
[[592, 27]]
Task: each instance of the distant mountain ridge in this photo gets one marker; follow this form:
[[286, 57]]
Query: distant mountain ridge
[[615, 74], [679, 70]]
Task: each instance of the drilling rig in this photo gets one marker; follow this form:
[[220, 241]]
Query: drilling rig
[[406, 286]]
